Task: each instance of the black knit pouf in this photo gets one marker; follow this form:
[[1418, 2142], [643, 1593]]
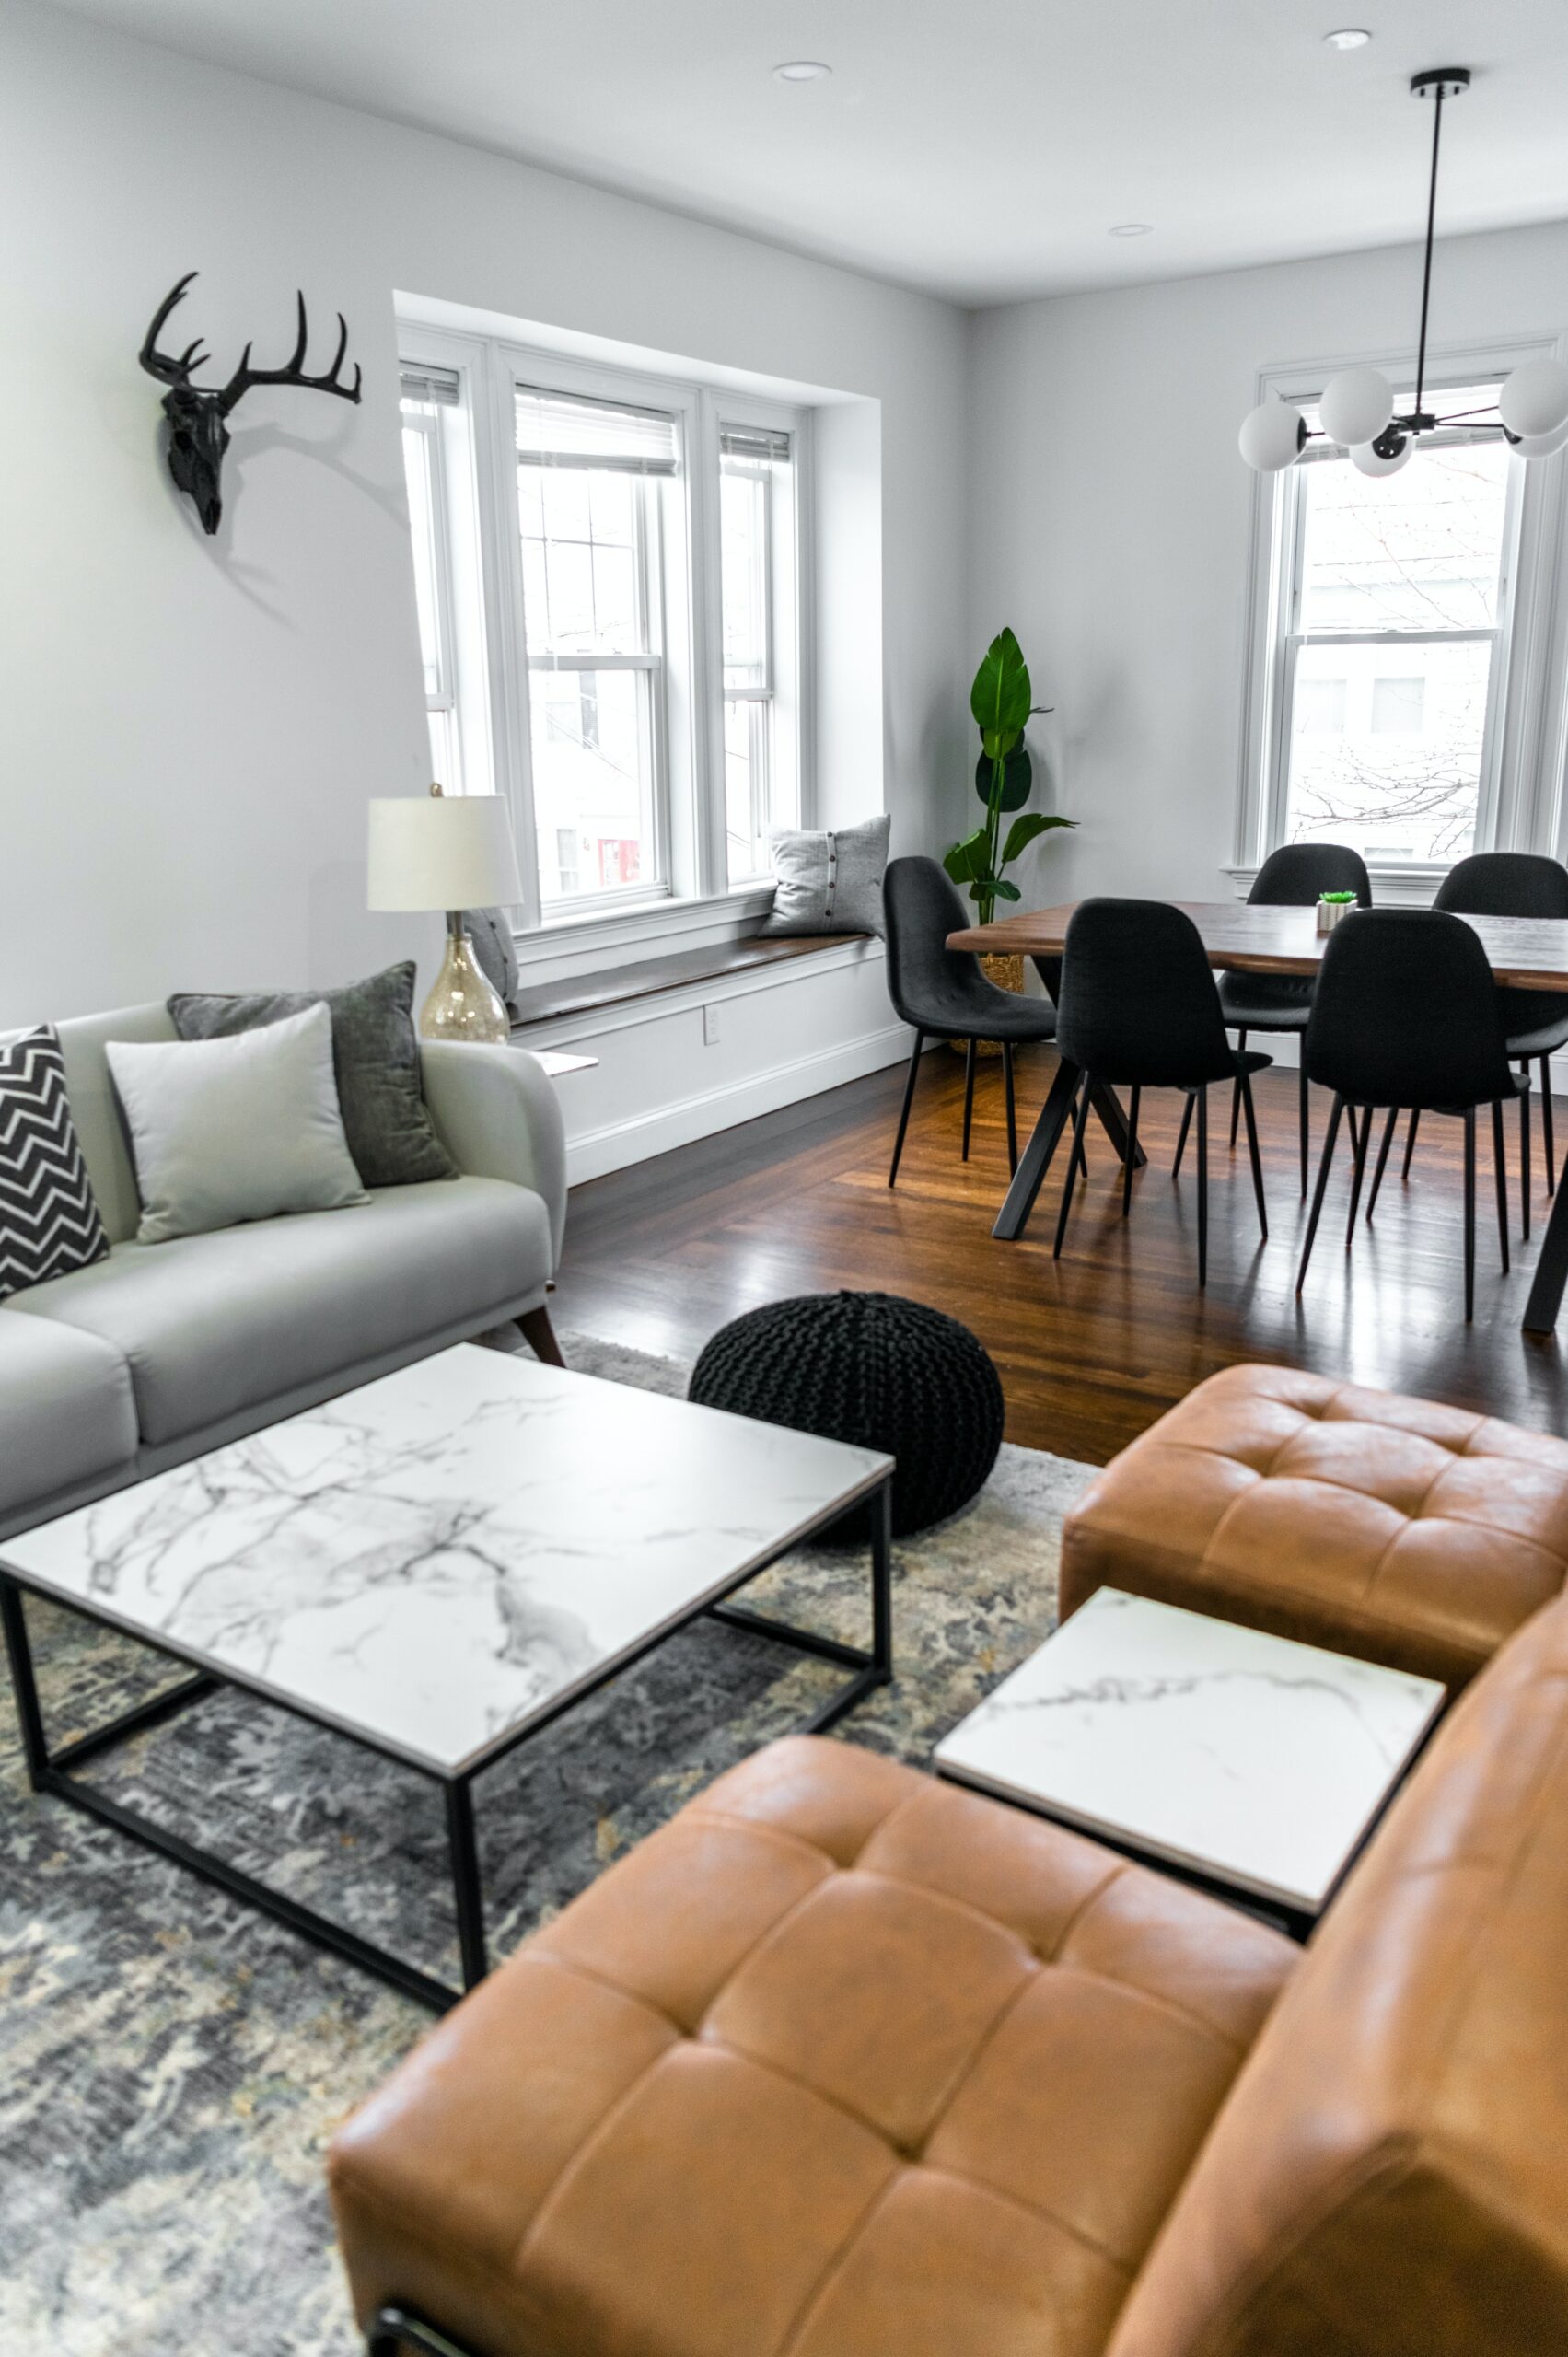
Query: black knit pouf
[[876, 1370]]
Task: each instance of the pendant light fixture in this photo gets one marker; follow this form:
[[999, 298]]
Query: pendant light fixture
[[1357, 406]]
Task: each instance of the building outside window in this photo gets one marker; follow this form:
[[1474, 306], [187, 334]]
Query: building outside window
[[636, 563]]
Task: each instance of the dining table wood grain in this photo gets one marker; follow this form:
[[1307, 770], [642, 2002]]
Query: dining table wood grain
[[1252, 937]]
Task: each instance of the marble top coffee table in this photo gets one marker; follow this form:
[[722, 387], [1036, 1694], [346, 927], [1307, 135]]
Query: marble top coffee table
[[1254, 1766], [438, 1566]]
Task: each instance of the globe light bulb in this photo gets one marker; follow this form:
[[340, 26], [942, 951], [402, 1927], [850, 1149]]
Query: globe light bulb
[[1271, 435], [1356, 406], [1368, 461], [1542, 445], [1535, 399]]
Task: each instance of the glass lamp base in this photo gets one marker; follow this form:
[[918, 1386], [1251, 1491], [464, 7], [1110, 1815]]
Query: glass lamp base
[[461, 1004]]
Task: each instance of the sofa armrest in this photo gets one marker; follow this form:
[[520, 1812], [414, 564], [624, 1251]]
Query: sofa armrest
[[499, 1118]]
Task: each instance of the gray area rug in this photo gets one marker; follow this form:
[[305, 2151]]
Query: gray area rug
[[172, 2065]]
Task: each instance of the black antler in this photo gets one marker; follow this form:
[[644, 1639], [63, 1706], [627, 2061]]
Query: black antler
[[293, 372], [158, 363]]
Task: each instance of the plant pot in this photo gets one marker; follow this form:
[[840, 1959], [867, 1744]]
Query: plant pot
[[1006, 970]]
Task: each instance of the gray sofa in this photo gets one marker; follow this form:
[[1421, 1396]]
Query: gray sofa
[[162, 1351]]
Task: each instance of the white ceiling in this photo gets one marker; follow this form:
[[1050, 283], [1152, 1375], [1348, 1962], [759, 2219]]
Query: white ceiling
[[981, 149]]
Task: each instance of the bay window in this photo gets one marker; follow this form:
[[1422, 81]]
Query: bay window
[[636, 562]]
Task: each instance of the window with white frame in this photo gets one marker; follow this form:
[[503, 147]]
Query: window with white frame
[[636, 559], [1393, 652], [757, 587], [1405, 693]]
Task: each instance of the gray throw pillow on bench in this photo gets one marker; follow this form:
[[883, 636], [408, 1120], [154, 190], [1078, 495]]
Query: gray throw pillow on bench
[[375, 1058], [229, 1130], [828, 880]]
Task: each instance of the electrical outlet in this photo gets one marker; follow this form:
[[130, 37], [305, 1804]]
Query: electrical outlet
[[710, 1026]]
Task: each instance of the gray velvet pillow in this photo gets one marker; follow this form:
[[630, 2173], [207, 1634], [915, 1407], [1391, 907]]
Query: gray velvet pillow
[[829, 881], [490, 930], [375, 1060]]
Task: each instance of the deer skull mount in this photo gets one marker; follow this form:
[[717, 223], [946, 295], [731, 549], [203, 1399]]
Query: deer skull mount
[[198, 416]]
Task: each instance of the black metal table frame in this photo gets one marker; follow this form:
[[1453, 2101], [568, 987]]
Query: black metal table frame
[[51, 1770]]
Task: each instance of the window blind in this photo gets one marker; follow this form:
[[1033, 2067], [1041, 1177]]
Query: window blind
[[430, 387], [569, 429], [761, 444]]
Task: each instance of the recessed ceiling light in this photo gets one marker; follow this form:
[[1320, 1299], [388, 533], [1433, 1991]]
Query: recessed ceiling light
[[802, 69], [1348, 37], [1133, 229]]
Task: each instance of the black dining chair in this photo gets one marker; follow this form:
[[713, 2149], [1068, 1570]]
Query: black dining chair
[[1406, 1014], [1295, 877], [943, 993], [1535, 1023], [1140, 1009]]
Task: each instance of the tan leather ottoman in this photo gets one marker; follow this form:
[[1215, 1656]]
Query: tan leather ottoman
[[1391, 1528], [841, 2062]]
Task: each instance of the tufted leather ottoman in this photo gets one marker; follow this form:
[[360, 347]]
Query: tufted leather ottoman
[[1392, 1528], [841, 2064]]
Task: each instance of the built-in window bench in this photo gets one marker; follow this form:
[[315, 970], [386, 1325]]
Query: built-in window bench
[[697, 1040], [584, 994]]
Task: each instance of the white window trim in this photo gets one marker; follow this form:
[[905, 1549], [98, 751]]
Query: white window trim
[[1523, 798], [695, 894]]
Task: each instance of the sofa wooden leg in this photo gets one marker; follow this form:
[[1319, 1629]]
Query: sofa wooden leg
[[539, 1335]]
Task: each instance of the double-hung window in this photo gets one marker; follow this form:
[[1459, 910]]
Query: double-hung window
[[591, 479], [1402, 697], [757, 541], [1396, 650], [635, 565]]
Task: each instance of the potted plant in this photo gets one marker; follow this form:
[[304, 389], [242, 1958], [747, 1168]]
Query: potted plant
[[1004, 780]]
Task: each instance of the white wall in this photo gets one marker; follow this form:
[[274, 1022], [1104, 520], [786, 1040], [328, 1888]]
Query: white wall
[[190, 729], [1110, 519]]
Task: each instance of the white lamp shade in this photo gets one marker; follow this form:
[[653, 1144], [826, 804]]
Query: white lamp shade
[[1369, 463], [443, 852], [1356, 406], [1542, 445], [1534, 401], [1270, 437]]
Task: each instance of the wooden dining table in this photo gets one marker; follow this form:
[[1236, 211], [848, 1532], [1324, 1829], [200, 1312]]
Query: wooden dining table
[[1246, 937]]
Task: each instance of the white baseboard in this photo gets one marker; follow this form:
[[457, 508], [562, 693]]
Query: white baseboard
[[596, 1152]]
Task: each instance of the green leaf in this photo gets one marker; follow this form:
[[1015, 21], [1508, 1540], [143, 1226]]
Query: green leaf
[[968, 859], [1018, 779], [1004, 890], [997, 743], [1000, 696], [1025, 829]]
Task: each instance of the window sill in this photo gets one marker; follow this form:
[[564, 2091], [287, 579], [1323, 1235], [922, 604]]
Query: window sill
[[565, 941]]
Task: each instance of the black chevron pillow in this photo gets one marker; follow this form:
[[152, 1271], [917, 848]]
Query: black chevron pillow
[[48, 1220]]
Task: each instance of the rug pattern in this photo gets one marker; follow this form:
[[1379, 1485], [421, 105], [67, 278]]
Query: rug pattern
[[172, 2065]]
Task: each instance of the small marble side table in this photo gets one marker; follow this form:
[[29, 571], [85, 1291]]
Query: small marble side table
[[1250, 1765]]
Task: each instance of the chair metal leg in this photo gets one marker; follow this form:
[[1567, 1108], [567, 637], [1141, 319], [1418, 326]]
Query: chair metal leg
[[1082, 1115], [1203, 1188], [1235, 1091], [1181, 1141], [1247, 1107], [1390, 1126], [1546, 1125], [1525, 1155], [1130, 1159], [1321, 1188], [1012, 1107], [1361, 1138], [1499, 1173], [1304, 1090], [1470, 1215], [908, 1100], [969, 1092], [1409, 1143]]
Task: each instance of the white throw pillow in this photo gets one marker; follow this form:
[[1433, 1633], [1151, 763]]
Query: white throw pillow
[[235, 1129]]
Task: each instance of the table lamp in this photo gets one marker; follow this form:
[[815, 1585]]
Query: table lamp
[[451, 852]]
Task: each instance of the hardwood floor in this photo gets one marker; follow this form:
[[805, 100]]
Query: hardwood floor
[[1092, 1348]]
